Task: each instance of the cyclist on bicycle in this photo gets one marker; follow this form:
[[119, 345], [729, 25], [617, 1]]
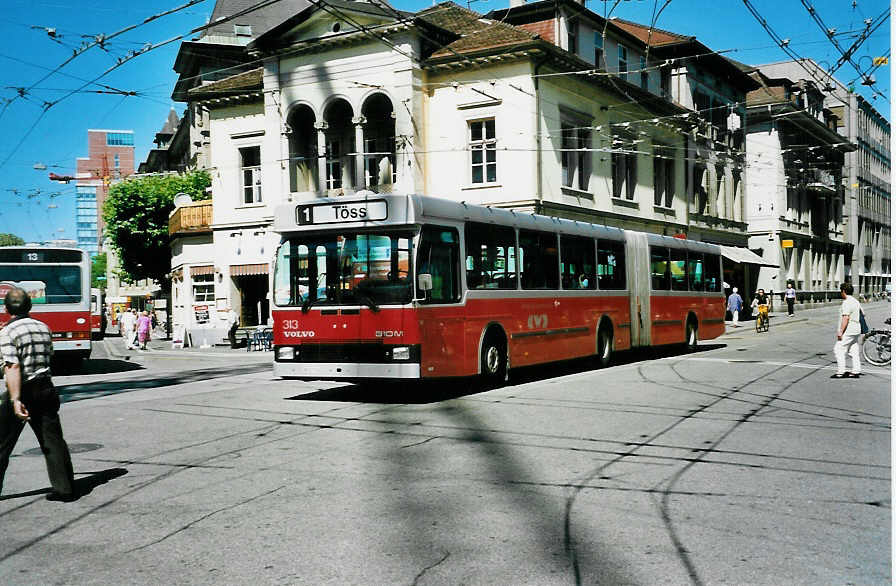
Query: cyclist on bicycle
[[760, 302]]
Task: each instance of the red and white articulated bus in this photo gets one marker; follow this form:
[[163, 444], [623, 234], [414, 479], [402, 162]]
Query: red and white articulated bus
[[58, 281], [413, 287]]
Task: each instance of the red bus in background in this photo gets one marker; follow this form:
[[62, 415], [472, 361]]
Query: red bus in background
[[406, 286], [58, 281]]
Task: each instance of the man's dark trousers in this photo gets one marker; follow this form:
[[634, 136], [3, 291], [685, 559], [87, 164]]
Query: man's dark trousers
[[232, 334], [48, 429]]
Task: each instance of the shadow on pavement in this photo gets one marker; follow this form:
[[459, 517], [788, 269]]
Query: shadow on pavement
[[392, 393], [108, 366], [435, 391], [83, 485], [79, 391]]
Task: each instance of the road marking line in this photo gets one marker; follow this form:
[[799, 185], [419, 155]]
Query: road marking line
[[772, 363]]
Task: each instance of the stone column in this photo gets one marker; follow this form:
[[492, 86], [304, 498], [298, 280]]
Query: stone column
[[360, 149], [321, 128]]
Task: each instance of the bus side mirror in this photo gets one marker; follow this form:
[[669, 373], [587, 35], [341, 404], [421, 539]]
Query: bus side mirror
[[424, 282]]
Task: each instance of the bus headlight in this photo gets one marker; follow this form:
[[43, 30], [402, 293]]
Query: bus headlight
[[286, 353], [401, 353]]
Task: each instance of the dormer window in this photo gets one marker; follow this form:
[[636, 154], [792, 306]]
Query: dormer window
[[572, 39], [623, 60], [242, 30]]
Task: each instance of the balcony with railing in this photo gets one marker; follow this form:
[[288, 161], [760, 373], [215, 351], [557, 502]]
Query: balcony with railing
[[821, 180], [192, 218]]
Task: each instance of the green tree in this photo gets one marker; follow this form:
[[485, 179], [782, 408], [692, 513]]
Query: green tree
[[98, 271], [136, 215], [10, 240]]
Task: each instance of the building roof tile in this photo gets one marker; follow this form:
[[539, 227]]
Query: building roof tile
[[229, 86], [653, 36], [475, 33]]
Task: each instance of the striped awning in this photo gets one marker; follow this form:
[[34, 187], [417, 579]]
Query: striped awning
[[743, 255], [202, 270], [245, 270]]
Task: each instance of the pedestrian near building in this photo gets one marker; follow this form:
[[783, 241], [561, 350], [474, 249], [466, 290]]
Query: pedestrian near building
[[790, 298], [128, 325], [849, 330], [735, 303], [144, 325], [233, 320], [26, 345]]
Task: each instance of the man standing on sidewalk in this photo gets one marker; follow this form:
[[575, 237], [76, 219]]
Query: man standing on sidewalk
[[233, 321], [734, 305], [26, 345], [849, 331], [129, 328]]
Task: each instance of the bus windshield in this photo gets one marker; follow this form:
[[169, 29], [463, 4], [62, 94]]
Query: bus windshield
[[369, 268], [44, 283]]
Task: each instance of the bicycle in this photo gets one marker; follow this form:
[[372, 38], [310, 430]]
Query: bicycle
[[762, 318], [876, 346]]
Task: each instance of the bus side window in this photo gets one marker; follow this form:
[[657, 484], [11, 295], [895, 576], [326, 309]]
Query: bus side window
[[538, 253], [490, 261], [713, 273], [678, 267], [695, 271], [577, 262], [610, 265], [659, 268], [439, 255]]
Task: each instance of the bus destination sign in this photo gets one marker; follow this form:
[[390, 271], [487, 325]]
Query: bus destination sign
[[337, 213]]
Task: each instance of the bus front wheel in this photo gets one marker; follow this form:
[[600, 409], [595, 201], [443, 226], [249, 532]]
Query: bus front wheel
[[494, 359]]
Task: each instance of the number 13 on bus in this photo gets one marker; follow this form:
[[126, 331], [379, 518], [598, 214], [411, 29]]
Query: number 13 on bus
[[413, 287]]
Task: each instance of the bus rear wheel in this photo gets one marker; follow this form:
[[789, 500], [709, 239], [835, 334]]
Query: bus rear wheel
[[494, 359]]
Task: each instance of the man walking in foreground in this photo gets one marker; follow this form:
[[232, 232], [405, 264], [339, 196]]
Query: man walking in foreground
[[849, 330], [26, 346]]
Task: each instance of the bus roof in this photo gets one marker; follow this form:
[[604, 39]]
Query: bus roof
[[384, 210]]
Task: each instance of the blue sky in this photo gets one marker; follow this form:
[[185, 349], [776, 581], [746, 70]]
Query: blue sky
[[31, 133]]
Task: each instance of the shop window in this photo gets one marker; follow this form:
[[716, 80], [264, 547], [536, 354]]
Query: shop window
[[203, 288]]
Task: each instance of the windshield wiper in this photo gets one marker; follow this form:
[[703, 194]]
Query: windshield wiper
[[368, 299], [306, 306]]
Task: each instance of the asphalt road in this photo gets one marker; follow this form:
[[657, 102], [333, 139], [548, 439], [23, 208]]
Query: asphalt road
[[742, 463]]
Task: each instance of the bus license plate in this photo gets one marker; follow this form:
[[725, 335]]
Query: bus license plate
[[331, 213]]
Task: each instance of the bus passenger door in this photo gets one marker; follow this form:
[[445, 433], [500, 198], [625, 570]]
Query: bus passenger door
[[638, 269], [440, 316], [441, 341]]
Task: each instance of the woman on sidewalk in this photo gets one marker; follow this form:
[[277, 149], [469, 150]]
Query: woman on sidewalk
[[790, 297], [144, 325]]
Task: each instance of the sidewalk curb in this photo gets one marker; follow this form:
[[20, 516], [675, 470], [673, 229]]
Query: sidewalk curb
[[750, 326]]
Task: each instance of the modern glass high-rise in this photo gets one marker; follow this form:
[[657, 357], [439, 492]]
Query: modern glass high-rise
[[87, 234], [110, 158]]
